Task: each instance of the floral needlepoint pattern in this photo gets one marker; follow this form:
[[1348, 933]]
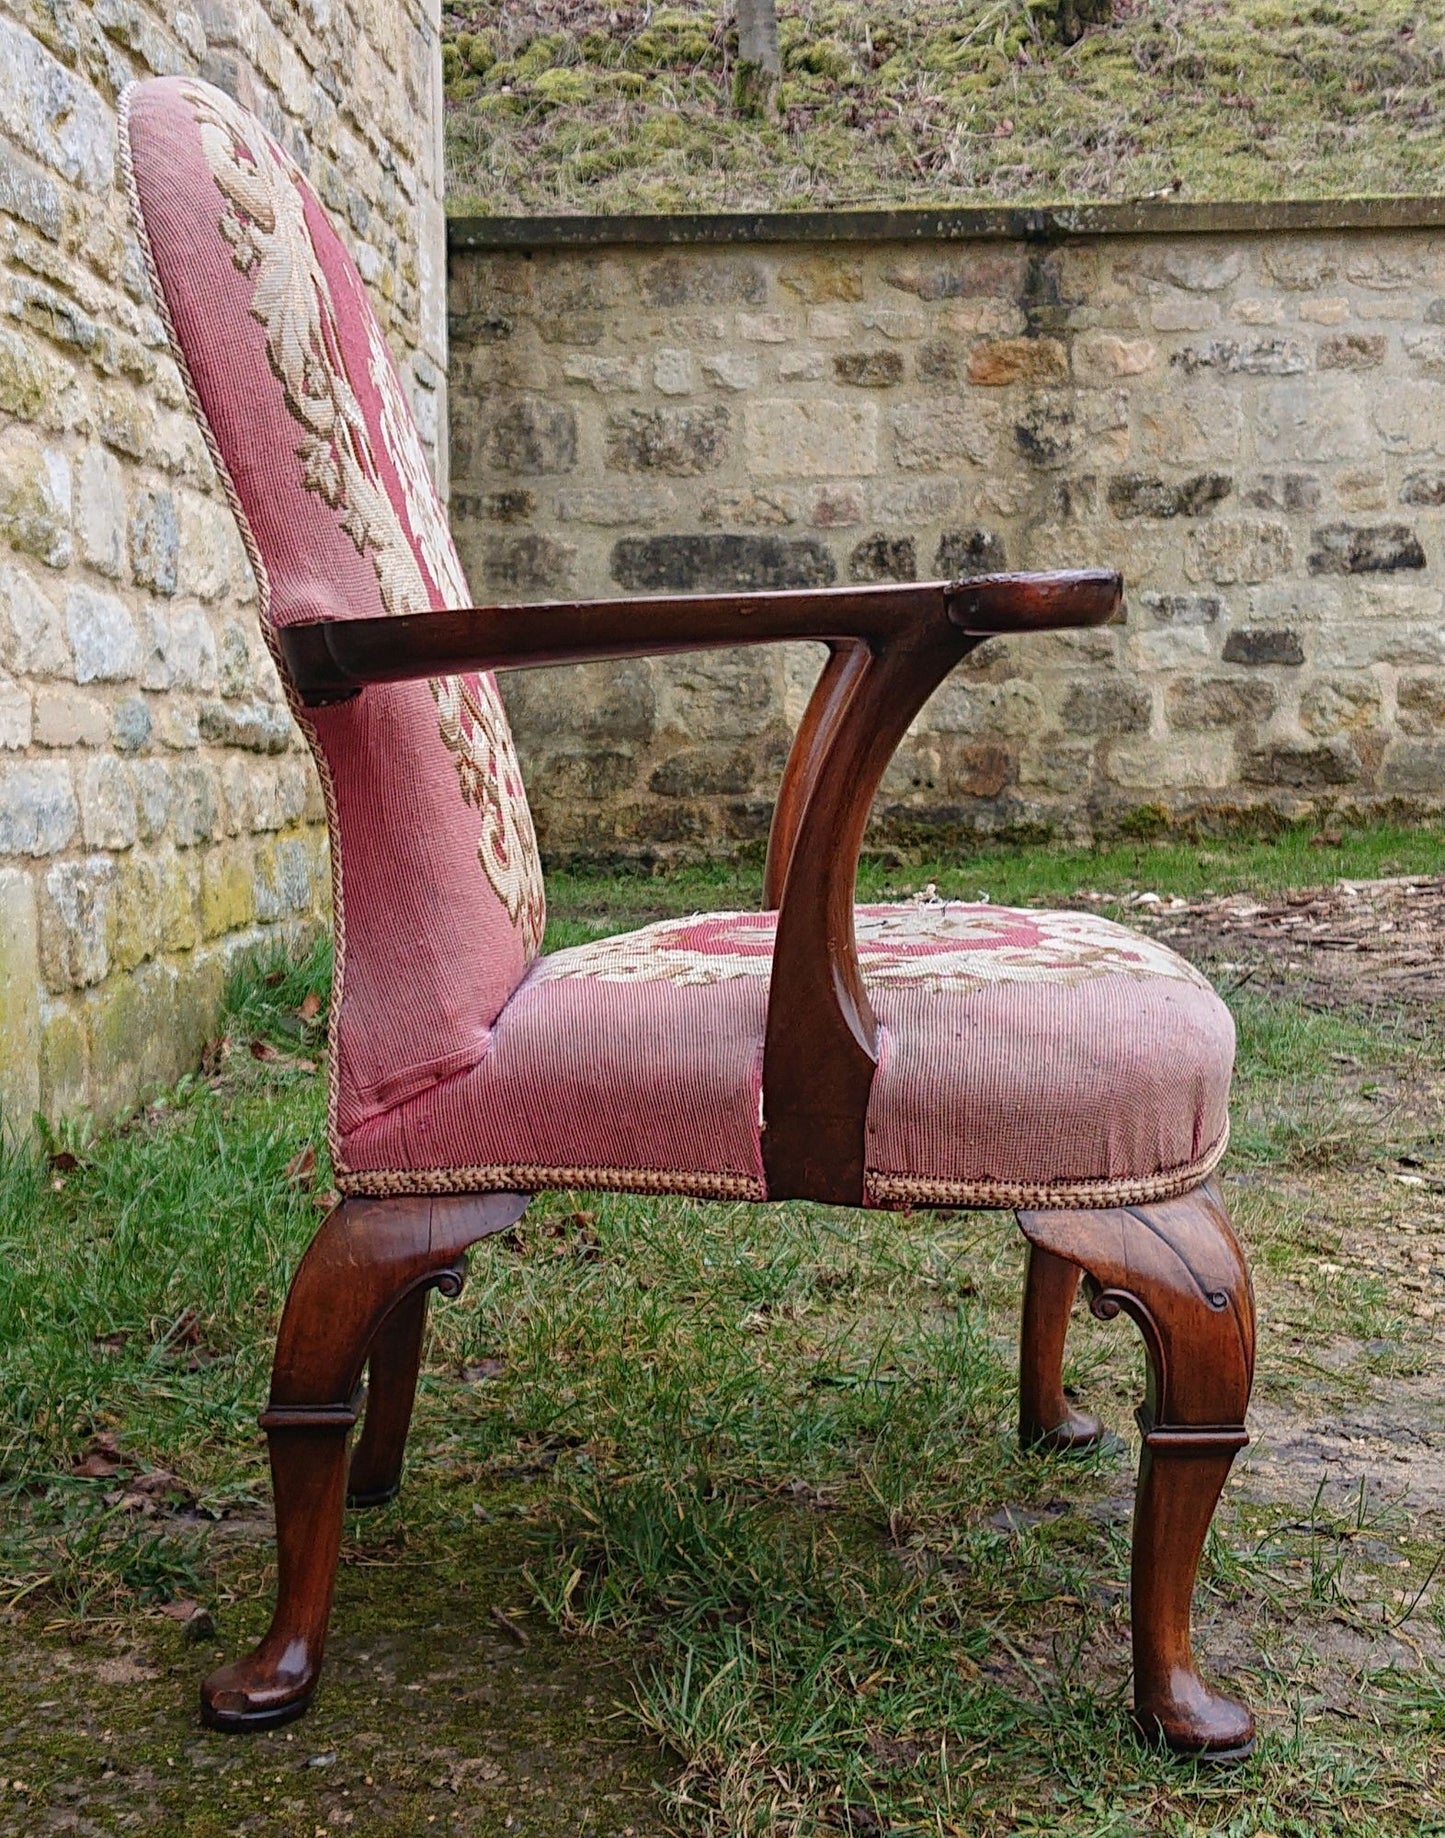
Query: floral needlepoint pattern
[[942, 945], [264, 221]]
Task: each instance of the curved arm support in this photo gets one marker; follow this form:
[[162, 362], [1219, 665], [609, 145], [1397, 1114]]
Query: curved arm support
[[836, 683], [821, 1048]]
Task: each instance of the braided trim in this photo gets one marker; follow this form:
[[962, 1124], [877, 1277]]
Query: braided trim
[[896, 1190], [881, 1191], [263, 609], [529, 1177]]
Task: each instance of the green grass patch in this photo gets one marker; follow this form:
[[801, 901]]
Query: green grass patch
[[587, 105], [765, 1452]]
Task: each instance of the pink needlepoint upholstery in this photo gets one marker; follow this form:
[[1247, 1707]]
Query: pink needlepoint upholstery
[[437, 885], [1029, 1059]]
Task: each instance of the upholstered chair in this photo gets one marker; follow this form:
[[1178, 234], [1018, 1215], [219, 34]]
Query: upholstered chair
[[925, 1055]]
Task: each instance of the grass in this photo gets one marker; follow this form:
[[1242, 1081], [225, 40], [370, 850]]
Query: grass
[[596, 105], [756, 1460]]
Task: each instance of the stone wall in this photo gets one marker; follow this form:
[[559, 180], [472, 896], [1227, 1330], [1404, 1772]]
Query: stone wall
[[1249, 423], [157, 809]]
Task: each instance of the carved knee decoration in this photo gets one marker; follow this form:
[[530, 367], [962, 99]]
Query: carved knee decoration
[[1176, 1269]]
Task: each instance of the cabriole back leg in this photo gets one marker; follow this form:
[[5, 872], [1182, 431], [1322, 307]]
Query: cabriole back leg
[[369, 1259], [1177, 1270], [1046, 1418], [391, 1373]]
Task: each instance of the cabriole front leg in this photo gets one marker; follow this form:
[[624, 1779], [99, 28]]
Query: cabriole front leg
[[360, 1288], [1176, 1269]]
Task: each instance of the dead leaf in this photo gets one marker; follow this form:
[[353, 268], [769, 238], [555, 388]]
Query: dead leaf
[[262, 1049], [301, 1166], [94, 1467], [326, 1202], [311, 1007], [63, 1161], [110, 1343], [182, 1609], [475, 1370]]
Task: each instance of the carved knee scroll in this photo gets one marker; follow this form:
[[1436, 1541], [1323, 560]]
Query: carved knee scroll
[[1175, 1268]]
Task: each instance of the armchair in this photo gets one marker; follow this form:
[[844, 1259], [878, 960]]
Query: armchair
[[922, 1055]]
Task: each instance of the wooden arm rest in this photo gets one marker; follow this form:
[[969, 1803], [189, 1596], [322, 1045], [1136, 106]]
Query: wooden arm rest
[[890, 647], [331, 660]]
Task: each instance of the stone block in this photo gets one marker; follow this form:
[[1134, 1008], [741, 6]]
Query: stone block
[[1220, 702], [1302, 766], [1340, 705], [696, 280], [1263, 357], [286, 879], [130, 724], [1183, 609], [107, 804], [195, 807], [1229, 550], [801, 367], [181, 650], [609, 376], [966, 274], [1352, 548], [76, 915], [226, 897], [869, 369], [1282, 491], [730, 370], [617, 508], [210, 556], [38, 811], [1000, 362], [101, 514], [1263, 647], [881, 557], [936, 436], [1420, 702], [155, 540], [917, 501], [529, 563], [35, 497], [672, 372], [15, 717], [64, 1056], [682, 441], [532, 436], [1191, 427], [1106, 706], [1352, 351], [961, 553], [1415, 767], [1426, 489], [1426, 350], [720, 563], [137, 909], [135, 1045], [53, 113], [259, 727], [32, 637], [764, 328], [706, 771], [103, 638], [1140, 494], [19, 1004], [836, 507], [818, 279], [1202, 762], [750, 509], [1104, 357], [791, 439]]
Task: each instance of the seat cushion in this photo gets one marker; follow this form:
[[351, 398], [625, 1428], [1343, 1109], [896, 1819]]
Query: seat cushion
[[1028, 1059]]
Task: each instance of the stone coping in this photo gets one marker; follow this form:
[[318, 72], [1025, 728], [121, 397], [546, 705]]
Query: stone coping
[[961, 223]]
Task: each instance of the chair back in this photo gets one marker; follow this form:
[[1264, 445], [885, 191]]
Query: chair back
[[437, 887]]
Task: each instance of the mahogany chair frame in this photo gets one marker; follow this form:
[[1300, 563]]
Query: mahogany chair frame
[[359, 1296]]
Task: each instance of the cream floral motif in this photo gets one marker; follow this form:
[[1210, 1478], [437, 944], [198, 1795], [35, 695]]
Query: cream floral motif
[[940, 946], [264, 221]]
